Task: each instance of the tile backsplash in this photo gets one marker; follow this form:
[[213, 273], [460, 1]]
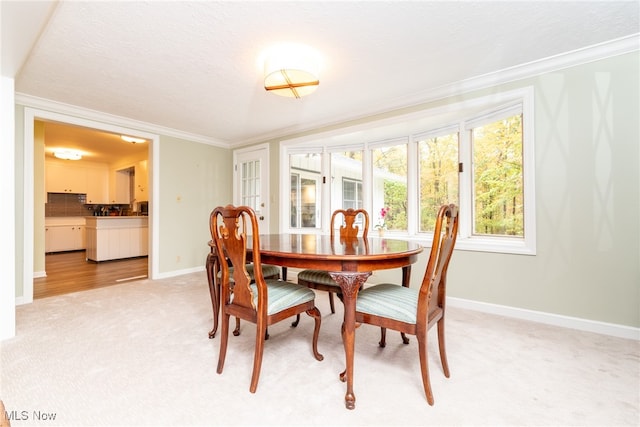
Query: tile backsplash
[[74, 204], [65, 204]]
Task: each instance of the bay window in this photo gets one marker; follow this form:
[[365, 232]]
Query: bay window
[[477, 154]]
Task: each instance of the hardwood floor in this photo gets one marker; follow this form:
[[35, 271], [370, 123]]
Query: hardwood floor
[[71, 272]]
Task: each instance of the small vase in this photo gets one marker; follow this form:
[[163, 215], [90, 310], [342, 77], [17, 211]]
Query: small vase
[[381, 232]]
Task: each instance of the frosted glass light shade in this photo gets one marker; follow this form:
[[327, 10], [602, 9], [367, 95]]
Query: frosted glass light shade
[[67, 154], [291, 70]]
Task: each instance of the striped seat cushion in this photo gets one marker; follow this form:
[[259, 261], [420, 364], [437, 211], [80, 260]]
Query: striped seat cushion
[[317, 276], [267, 271], [282, 295], [391, 301]]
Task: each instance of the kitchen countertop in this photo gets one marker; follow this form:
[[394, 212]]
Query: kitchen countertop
[[117, 217], [64, 220], [106, 222]]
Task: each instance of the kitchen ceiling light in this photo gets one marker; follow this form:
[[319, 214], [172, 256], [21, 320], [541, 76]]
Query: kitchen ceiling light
[[66, 154], [132, 139], [291, 70]]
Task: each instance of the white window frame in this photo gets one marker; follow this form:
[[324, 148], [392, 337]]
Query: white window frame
[[370, 134]]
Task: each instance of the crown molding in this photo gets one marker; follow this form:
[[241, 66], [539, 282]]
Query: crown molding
[[98, 116]]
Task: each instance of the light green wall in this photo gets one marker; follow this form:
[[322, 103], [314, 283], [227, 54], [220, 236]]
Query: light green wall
[[587, 194], [194, 179]]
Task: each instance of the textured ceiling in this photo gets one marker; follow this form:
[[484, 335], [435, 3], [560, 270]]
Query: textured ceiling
[[193, 66]]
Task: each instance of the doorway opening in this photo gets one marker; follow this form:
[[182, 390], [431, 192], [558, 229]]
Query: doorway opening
[[34, 175]]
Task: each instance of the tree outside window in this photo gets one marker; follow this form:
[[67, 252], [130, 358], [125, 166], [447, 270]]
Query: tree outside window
[[438, 176], [390, 184], [497, 176]]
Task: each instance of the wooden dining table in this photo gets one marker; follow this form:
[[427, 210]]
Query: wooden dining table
[[349, 262]]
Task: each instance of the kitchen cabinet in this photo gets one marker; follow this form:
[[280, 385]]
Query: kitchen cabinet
[[64, 234], [98, 185], [65, 177], [141, 179], [117, 237], [120, 187], [91, 179]]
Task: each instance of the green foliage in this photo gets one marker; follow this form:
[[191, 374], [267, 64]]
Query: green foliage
[[395, 197], [438, 166], [394, 161], [499, 203], [497, 176]]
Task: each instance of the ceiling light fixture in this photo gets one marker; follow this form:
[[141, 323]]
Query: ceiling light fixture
[[132, 139], [291, 70], [67, 154]]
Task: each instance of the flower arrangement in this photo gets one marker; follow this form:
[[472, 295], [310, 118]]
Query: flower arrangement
[[383, 213]]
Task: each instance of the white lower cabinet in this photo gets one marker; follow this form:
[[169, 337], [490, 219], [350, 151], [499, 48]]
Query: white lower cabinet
[[116, 237], [62, 234]]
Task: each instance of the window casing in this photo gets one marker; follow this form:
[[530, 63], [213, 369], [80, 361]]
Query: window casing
[[442, 149]]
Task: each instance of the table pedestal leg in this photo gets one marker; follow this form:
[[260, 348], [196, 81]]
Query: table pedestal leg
[[350, 283]]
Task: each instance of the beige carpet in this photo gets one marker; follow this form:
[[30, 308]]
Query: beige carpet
[[138, 354]]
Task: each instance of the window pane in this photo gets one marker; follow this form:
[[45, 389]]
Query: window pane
[[305, 172], [346, 180], [308, 211], [390, 187], [294, 211], [438, 176], [497, 178], [349, 194], [251, 185]]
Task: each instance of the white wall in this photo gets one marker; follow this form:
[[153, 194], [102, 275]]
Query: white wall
[[7, 216]]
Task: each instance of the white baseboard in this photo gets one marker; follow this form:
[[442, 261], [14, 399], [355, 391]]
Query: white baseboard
[[175, 273], [23, 300], [39, 274], [620, 331]]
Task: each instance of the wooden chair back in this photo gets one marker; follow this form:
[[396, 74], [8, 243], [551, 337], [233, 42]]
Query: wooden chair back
[[434, 283], [350, 229], [231, 228]]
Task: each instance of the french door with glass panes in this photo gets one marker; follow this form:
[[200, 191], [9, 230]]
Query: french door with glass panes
[[251, 182]]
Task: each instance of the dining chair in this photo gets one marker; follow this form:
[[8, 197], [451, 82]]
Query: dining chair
[[214, 276], [320, 279], [263, 302], [415, 311]]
